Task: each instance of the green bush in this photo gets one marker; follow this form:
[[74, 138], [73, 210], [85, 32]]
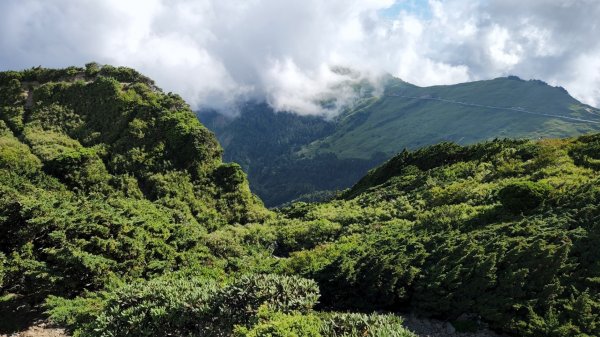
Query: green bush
[[363, 325], [296, 235], [161, 307], [279, 324], [15, 156], [193, 306], [92, 69], [240, 301], [80, 168], [523, 196]]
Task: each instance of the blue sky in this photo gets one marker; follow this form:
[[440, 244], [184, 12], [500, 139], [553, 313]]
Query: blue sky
[[417, 7]]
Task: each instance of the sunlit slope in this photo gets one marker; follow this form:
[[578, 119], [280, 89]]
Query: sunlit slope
[[407, 116]]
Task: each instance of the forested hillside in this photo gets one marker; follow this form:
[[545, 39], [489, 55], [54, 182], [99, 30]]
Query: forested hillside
[[112, 201], [288, 156], [266, 144], [507, 230], [117, 218]]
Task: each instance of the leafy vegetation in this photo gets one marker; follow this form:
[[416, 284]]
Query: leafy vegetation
[[106, 180], [503, 229], [117, 214]]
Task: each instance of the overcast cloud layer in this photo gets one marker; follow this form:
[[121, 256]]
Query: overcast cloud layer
[[218, 52]]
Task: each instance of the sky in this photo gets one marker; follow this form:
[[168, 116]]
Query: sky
[[219, 53]]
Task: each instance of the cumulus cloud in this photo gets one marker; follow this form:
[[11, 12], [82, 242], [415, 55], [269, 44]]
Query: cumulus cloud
[[218, 53]]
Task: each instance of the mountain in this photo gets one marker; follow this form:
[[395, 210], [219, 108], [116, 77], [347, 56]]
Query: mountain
[[321, 155], [266, 144], [119, 218], [407, 116]]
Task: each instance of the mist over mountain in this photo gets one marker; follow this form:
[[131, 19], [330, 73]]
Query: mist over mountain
[[220, 53], [118, 217], [289, 156], [299, 168]]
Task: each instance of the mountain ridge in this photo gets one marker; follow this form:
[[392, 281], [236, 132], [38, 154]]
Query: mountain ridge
[[379, 115], [377, 127]]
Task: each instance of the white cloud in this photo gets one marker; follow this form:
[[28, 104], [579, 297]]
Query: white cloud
[[217, 52]]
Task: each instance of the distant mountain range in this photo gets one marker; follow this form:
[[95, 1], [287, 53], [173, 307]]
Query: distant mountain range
[[288, 156]]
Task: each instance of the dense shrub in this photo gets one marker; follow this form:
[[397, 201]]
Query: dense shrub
[[586, 152], [523, 196], [106, 180], [241, 300], [363, 325], [160, 307], [196, 306], [296, 235], [282, 325], [15, 156]]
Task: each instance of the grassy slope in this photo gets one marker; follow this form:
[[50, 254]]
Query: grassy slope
[[391, 123]]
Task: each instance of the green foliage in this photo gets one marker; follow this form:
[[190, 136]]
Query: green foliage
[[358, 325], [75, 313], [157, 308], [585, 152], [254, 305], [449, 230], [92, 69], [105, 177], [15, 156], [282, 325], [296, 235], [240, 301], [523, 196]]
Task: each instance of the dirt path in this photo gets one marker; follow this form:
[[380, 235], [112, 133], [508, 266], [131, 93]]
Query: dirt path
[[39, 330]]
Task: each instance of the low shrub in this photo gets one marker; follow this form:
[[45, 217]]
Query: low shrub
[[523, 196]]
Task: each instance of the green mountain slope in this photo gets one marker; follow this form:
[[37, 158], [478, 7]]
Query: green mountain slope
[[407, 116], [104, 176], [118, 216], [504, 231], [289, 156], [266, 144]]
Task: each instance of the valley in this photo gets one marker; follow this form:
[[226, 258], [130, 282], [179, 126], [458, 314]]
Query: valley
[[323, 156]]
